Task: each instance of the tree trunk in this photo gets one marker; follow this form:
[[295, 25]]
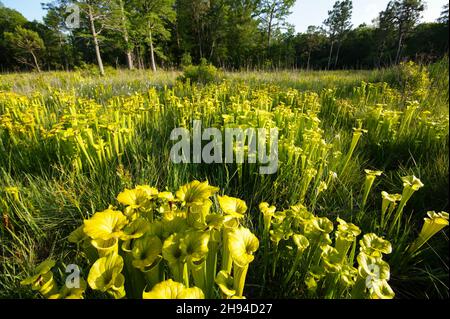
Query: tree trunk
[[269, 33], [126, 37], [200, 46], [63, 57], [399, 49], [177, 35], [139, 58], [130, 60], [331, 53], [137, 54], [95, 38], [309, 60], [380, 55], [213, 45], [35, 62], [152, 52], [337, 55]]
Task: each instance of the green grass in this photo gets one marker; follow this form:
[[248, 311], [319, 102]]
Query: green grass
[[54, 197]]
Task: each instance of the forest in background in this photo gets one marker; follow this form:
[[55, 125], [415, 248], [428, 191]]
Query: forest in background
[[231, 34]]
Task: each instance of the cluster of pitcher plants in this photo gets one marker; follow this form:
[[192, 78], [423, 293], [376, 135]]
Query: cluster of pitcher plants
[[193, 245], [340, 218], [162, 242]]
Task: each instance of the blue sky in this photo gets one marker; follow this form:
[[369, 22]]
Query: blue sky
[[305, 12], [314, 12]]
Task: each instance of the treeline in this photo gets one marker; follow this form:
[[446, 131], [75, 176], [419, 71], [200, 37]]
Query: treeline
[[232, 34]]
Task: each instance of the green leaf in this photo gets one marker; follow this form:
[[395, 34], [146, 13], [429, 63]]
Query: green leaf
[[195, 192], [170, 289], [42, 269], [242, 244], [146, 252], [104, 272], [232, 206], [225, 283], [375, 246], [105, 225]]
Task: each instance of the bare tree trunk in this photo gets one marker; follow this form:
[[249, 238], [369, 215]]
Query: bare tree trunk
[[137, 53], [152, 51], [337, 55], [126, 37], [177, 34], [139, 58], [35, 62], [399, 49], [380, 55], [331, 53], [199, 39], [269, 33], [95, 38], [213, 45], [309, 60], [61, 54], [130, 60]]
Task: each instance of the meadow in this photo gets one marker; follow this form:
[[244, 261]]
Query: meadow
[[357, 208]]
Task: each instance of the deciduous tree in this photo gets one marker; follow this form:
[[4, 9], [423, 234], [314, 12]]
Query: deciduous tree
[[338, 24], [27, 44], [273, 14], [151, 20]]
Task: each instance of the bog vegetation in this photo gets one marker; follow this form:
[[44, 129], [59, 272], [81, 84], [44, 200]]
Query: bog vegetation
[[357, 209]]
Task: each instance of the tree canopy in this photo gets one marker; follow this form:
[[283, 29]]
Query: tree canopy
[[232, 34]]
